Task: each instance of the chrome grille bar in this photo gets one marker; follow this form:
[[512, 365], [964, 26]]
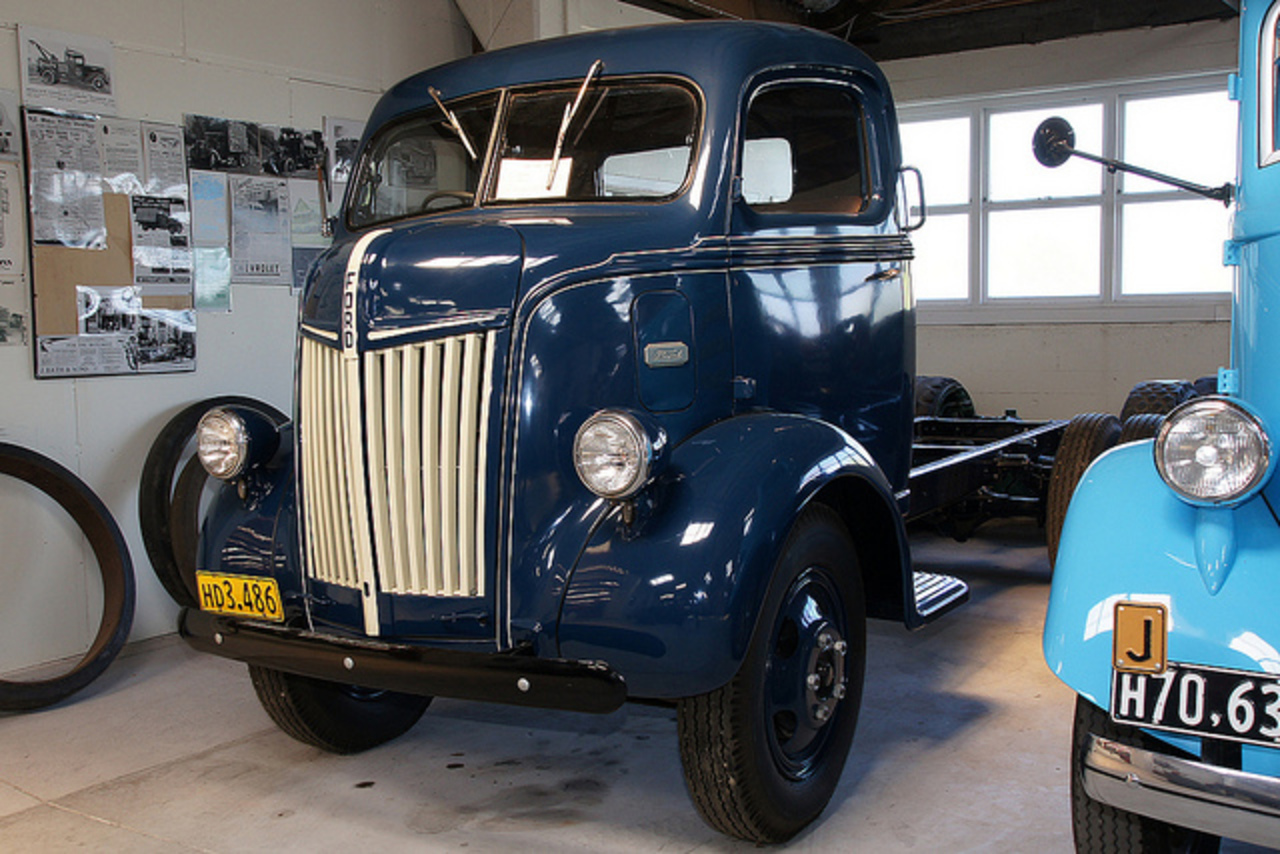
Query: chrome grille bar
[[425, 434]]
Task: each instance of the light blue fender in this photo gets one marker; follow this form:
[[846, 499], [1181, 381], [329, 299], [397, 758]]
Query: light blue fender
[[1128, 537], [671, 601]]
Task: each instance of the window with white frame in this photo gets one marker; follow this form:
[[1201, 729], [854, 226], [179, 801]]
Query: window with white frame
[[1008, 236]]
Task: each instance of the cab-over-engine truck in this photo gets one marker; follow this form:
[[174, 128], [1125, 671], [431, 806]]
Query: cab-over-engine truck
[[604, 392]]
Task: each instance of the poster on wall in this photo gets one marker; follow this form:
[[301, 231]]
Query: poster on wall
[[117, 334], [120, 150], [10, 123], [342, 140], [261, 250], [14, 311], [13, 227], [222, 145], [164, 158], [65, 71], [161, 244], [66, 180]]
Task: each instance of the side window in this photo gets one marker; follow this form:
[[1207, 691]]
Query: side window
[[805, 150], [1269, 88]]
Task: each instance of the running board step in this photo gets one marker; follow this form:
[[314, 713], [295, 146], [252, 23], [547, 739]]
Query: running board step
[[936, 594]]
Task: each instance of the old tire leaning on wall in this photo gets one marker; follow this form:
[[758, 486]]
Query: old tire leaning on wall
[[167, 510], [1084, 439], [1156, 396], [334, 717], [942, 397], [763, 754], [112, 554]]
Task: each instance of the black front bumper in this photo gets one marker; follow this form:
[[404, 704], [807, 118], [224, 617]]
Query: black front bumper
[[579, 686]]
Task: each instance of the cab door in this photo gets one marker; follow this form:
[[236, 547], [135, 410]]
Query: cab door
[[822, 314]]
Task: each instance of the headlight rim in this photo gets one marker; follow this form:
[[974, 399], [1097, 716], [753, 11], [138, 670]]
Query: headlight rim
[[240, 429], [1220, 402], [646, 455]]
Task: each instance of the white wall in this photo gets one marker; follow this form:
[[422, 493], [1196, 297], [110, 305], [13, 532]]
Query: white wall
[[274, 61], [1057, 369]]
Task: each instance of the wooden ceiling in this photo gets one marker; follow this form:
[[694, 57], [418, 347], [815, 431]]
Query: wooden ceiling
[[897, 29]]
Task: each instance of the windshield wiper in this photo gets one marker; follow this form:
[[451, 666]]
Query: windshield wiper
[[453, 121], [571, 110]]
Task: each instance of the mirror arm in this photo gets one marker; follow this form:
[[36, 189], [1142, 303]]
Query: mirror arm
[[1222, 194]]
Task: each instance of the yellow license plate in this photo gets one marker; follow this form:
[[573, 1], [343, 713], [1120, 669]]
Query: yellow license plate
[[1141, 638], [241, 595]]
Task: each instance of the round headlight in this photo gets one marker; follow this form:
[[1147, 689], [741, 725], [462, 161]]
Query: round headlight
[[222, 443], [1212, 451], [612, 454]]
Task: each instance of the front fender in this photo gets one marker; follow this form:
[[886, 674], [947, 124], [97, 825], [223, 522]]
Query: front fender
[[671, 601], [257, 534], [1127, 537]]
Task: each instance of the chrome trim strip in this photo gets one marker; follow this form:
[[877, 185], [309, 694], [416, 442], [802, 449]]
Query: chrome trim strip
[[462, 319], [1182, 792], [319, 333]]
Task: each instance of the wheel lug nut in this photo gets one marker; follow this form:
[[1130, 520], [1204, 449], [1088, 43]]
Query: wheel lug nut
[[814, 682], [822, 713], [824, 642], [841, 647], [839, 692]]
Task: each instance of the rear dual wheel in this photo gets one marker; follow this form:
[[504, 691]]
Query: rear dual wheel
[[763, 755]]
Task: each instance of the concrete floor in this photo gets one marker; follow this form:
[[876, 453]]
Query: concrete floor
[[962, 746]]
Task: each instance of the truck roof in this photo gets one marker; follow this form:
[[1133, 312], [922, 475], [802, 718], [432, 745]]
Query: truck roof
[[717, 55]]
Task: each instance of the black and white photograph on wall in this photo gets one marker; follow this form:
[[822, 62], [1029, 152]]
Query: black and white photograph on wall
[[13, 312], [222, 145], [66, 71], [10, 123], [118, 335], [342, 137], [161, 244], [291, 152]]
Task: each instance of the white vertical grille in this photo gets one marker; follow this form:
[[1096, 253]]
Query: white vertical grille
[[425, 435]]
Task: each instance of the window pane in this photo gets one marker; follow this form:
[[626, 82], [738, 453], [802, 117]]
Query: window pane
[[1015, 172], [1051, 252], [804, 151], [625, 141], [940, 150], [1192, 137], [940, 269], [1174, 248]]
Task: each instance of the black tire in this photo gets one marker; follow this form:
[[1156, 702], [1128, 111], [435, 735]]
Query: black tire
[[760, 762], [1206, 385], [1102, 829], [112, 555], [1139, 427], [173, 558], [331, 716], [1084, 439], [942, 397], [1157, 396]]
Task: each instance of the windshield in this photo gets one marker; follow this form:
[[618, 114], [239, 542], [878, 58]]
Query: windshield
[[625, 141], [422, 165]]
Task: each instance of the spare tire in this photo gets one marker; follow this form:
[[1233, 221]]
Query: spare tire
[[942, 397], [1157, 396], [1084, 439]]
